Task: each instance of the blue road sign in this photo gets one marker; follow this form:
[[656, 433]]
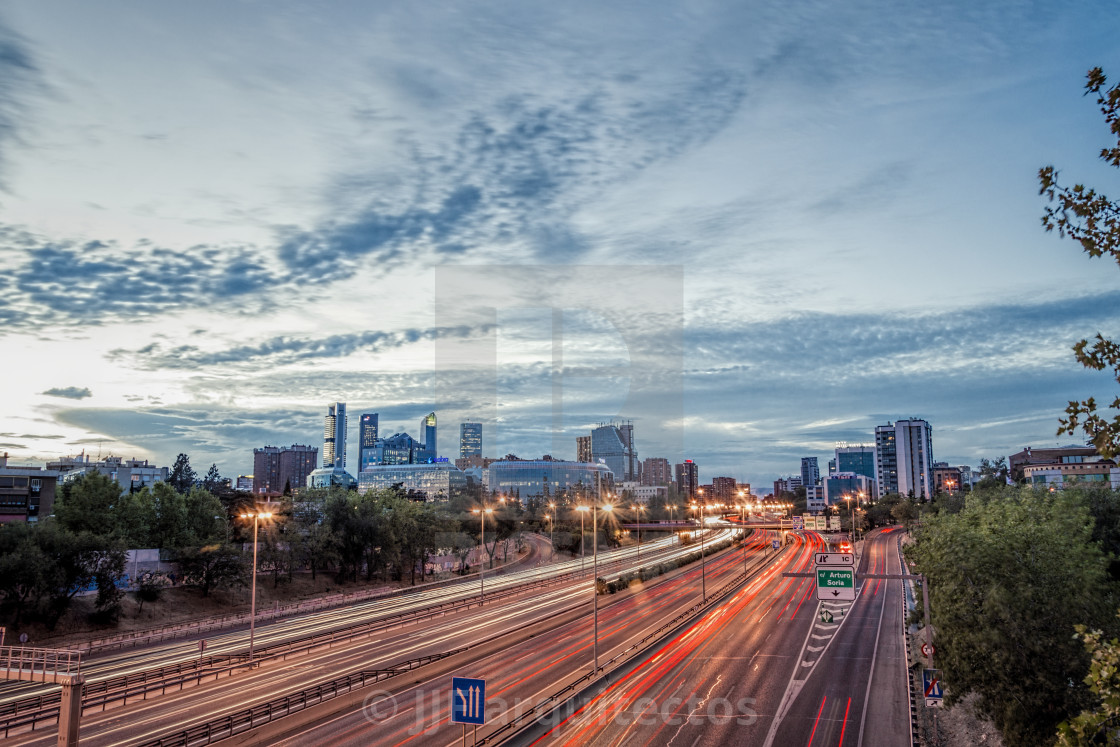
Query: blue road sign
[[931, 686], [468, 701], [775, 544]]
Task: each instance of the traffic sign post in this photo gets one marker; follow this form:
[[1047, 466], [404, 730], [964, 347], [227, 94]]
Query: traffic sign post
[[928, 651], [798, 523], [836, 584], [931, 687], [468, 701], [775, 544]]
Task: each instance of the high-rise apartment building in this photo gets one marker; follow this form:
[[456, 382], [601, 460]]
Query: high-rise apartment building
[[278, 468], [886, 459], [904, 458], [613, 445], [334, 436], [725, 489], [583, 449], [367, 438], [810, 471], [656, 471], [688, 478], [470, 440]]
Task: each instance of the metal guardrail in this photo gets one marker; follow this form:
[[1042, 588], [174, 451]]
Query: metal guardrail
[[44, 661], [34, 710]]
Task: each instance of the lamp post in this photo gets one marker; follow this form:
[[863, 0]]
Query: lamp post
[[482, 553], [551, 527], [256, 516], [595, 582], [851, 522], [582, 511], [743, 511], [671, 509], [638, 517]]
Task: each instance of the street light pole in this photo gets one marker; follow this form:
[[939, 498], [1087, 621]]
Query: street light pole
[[482, 554], [551, 528], [638, 518], [595, 582], [582, 510], [256, 516]]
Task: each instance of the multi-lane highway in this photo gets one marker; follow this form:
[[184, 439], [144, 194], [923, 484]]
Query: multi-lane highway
[[513, 606], [764, 668]]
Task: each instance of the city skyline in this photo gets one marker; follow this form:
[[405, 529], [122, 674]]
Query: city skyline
[[207, 243]]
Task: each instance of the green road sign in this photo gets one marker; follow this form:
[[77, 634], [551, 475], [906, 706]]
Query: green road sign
[[836, 584]]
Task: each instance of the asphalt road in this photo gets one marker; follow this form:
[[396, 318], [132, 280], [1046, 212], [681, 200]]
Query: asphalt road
[[764, 669]]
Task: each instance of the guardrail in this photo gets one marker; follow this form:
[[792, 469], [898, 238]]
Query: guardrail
[[45, 661], [35, 710]]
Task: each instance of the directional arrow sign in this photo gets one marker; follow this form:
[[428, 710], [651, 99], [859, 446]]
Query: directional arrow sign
[[837, 584], [931, 686], [843, 559], [468, 701]]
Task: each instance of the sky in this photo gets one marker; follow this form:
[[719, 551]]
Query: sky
[[755, 229]]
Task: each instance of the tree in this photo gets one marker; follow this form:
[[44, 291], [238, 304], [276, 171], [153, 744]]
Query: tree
[[1090, 218], [182, 477], [89, 504], [212, 567], [213, 479], [1100, 725], [1008, 581]]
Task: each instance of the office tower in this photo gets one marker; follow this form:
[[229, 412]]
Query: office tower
[[613, 445], [428, 436], [470, 440], [688, 478], [656, 471], [583, 449], [367, 438], [334, 436], [277, 468], [810, 472], [859, 460]]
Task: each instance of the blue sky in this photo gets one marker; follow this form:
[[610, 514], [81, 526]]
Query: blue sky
[[218, 217]]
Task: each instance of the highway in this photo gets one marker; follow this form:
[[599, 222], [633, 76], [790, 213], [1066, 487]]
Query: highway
[[518, 614], [763, 668]]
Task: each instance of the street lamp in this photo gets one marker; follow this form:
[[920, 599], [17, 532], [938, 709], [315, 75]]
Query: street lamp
[[638, 517], [743, 512], [482, 553], [582, 510], [851, 521], [256, 516], [551, 526], [595, 584], [671, 509]]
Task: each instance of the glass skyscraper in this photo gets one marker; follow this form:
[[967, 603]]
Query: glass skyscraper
[[470, 440], [334, 436]]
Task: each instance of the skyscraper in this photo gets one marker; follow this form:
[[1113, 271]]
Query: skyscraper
[[656, 471], [367, 438], [886, 459], [428, 435], [613, 445], [334, 436], [470, 440], [810, 472]]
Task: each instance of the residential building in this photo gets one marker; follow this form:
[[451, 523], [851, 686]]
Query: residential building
[[946, 479], [367, 437], [786, 485], [815, 501], [810, 471], [724, 489], [583, 449], [613, 445], [244, 483], [1061, 455], [130, 474], [470, 440], [526, 478], [334, 436], [914, 444], [886, 459], [26, 493], [657, 471], [280, 468], [436, 481], [688, 478]]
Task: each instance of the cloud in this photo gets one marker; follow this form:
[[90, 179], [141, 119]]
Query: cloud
[[283, 349], [18, 76], [70, 392]]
